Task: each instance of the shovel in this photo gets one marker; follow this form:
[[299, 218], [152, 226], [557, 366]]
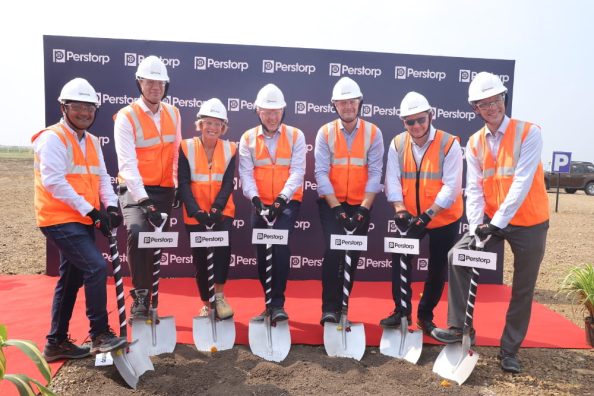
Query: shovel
[[345, 339], [269, 340], [456, 361], [157, 334], [211, 334], [131, 360]]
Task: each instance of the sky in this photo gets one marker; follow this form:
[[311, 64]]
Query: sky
[[551, 42]]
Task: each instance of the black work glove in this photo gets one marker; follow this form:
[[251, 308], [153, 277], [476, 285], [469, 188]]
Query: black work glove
[[360, 217], [344, 220], [418, 227], [100, 221], [151, 213], [202, 216], [176, 201], [484, 230], [403, 220], [216, 214], [258, 205], [115, 218], [276, 208]]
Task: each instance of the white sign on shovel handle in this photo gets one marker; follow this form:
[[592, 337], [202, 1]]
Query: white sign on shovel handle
[[149, 240], [269, 236], [401, 245], [475, 258], [348, 242], [209, 239]]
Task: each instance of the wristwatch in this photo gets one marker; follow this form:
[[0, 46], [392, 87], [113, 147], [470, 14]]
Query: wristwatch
[[284, 197]]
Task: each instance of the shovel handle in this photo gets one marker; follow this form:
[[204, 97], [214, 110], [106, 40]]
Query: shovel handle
[[347, 273], [473, 286], [119, 285], [210, 271], [157, 265], [269, 260]]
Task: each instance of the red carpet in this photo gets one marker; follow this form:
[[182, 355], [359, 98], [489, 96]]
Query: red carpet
[[26, 302]]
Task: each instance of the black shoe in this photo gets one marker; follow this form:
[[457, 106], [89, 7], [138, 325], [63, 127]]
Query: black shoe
[[330, 317], [140, 305], [259, 318], [107, 342], [393, 320], [452, 335], [65, 350], [509, 362], [426, 325], [278, 314]]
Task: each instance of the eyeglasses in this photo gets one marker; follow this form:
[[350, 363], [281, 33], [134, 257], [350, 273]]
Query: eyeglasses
[[80, 107], [420, 120], [153, 82], [489, 105]]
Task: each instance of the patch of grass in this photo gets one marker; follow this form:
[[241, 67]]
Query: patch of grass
[[16, 152]]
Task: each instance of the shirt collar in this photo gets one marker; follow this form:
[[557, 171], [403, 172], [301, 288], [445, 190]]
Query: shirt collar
[[144, 107], [354, 130], [501, 129], [72, 131], [261, 132], [431, 137]]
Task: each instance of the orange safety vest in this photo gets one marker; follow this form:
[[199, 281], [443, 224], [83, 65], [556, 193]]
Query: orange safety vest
[[348, 169], [420, 186], [154, 150], [271, 175], [207, 180], [498, 175], [82, 174]]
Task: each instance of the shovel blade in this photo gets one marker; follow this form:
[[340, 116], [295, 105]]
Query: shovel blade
[[351, 344], [131, 362], [455, 362], [164, 335], [406, 345], [205, 339], [280, 340]]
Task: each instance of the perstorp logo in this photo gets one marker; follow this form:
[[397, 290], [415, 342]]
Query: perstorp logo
[[454, 114], [303, 262], [466, 76], [422, 264], [179, 102], [237, 104], [105, 98], [237, 260], [403, 72], [164, 258], [63, 56], [204, 63], [370, 110], [337, 70], [303, 107], [463, 257], [133, 59], [273, 66], [392, 226]]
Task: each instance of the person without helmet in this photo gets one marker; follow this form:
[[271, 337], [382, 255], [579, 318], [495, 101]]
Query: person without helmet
[[349, 158], [424, 185], [505, 199], [206, 169], [147, 134], [272, 167], [71, 183]]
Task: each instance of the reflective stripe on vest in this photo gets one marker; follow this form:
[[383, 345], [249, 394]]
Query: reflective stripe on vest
[[498, 175], [368, 134], [207, 179], [82, 174], [420, 187]]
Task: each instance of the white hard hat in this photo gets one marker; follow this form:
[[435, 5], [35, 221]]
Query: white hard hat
[[484, 85], [413, 103], [78, 90], [213, 108], [152, 68], [270, 97], [346, 88]]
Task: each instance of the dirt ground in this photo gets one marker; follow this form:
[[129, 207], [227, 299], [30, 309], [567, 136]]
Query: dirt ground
[[307, 370]]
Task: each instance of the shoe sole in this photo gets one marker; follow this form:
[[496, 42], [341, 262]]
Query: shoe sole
[[97, 350], [50, 359]]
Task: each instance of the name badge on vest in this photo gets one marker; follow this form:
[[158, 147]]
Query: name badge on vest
[[151, 240], [475, 258], [348, 242], [209, 239], [268, 236], [401, 245]]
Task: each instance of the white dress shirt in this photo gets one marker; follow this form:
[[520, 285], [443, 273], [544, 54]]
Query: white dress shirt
[[451, 178], [53, 167], [296, 170], [528, 162], [125, 146]]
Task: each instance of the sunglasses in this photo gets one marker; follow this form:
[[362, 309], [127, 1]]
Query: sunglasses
[[420, 120]]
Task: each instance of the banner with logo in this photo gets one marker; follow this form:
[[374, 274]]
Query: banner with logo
[[234, 74]]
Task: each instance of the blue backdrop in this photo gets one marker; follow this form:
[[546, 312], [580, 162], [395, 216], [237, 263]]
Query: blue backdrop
[[234, 74]]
